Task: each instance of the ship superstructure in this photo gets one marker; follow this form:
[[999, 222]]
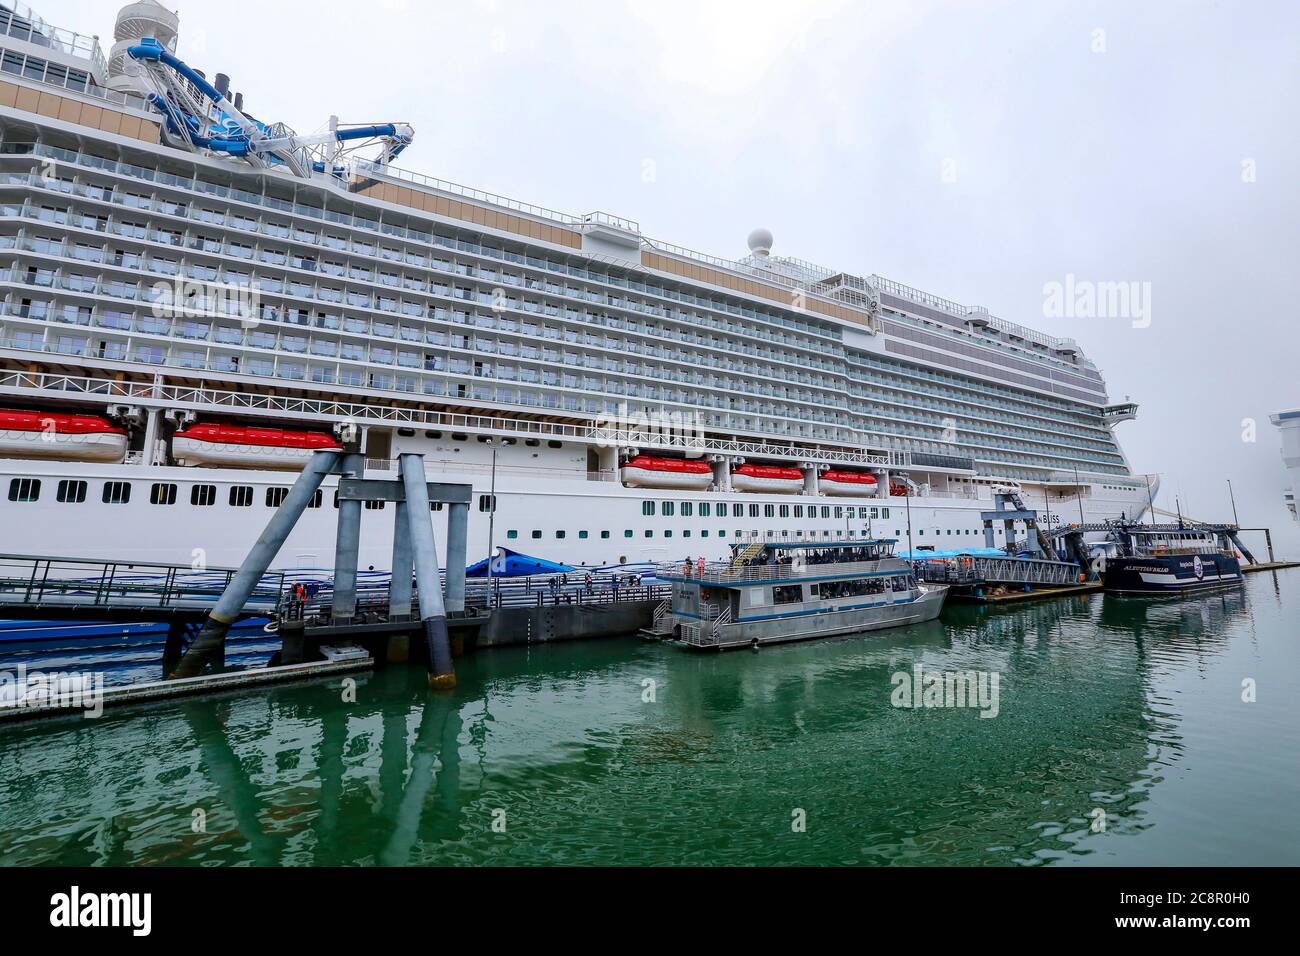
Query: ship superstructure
[[1288, 422], [628, 399]]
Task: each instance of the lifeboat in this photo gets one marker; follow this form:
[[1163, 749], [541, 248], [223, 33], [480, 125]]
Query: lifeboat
[[239, 446], [646, 472], [25, 434], [767, 478], [848, 483]]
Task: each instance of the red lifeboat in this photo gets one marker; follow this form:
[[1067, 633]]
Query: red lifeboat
[[767, 478], [644, 471], [27, 434], [240, 446], [848, 483]]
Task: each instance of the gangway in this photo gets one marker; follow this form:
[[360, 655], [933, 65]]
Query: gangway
[[977, 570], [79, 589]]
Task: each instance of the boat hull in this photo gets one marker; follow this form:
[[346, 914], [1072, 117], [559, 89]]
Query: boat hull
[[778, 486], [1171, 574], [842, 489], [680, 480], [191, 451], [107, 447], [830, 622]]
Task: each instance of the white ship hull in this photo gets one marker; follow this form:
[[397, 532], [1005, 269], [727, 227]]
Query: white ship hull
[[777, 486], [190, 451], [566, 519]]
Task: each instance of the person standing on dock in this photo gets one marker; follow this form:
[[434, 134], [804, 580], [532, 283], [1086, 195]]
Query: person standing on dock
[[686, 567], [699, 566]]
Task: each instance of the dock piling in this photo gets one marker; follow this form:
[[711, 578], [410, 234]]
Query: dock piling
[[210, 644], [433, 612], [347, 544]]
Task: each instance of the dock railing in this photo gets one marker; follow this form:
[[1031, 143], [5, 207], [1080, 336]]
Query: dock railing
[[723, 576]]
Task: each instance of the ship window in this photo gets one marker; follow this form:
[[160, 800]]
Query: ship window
[[162, 493], [512, 534], [203, 495], [560, 534], [275, 497], [24, 489], [604, 535], [537, 534], [687, 509], [839, 512], [787, 594], [737, 511], [826, 511], [668, 534], [117, 492], [459, 436], [704, 533], [627, 534], [487, 503], [554, 444], [71, 491], [374, 505], [706, 509], [316, 499], [531, 442], [649, 533], [753, 511], [798, 511], [668, 509], [582, 534], [241, 496], [435, 505], [647, 507], [722, 534], [769, 511]]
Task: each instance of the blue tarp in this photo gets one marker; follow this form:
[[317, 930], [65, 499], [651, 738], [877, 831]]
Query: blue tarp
[[952, 553], [512, 564]]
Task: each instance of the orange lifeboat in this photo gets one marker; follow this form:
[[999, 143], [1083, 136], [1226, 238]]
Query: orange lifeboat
[[25, 434], [767, 478], [644, 471], [848, 483], [240, 446]]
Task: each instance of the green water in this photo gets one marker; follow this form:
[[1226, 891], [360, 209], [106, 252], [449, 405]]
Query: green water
[[1131, 707]]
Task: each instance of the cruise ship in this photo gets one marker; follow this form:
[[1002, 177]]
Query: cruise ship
[[195, 299], [1288, 422]]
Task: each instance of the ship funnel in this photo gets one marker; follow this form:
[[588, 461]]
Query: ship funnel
[[222, 84]]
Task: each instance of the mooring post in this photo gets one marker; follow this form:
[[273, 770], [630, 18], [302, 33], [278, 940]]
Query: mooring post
[[433, 613], [399, 587], [347, 543], [211, 640], [457, 534]]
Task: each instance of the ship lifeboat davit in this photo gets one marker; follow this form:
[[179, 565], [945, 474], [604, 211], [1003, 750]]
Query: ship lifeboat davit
[[646, 472], [767, 478], [26, 434], [848, 483], [239, 446]]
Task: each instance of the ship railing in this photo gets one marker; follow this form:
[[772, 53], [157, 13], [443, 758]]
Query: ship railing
[[21, 22], [37, 580], [726, 576]]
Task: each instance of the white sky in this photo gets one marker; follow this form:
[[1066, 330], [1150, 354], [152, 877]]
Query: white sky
[[833, 123]]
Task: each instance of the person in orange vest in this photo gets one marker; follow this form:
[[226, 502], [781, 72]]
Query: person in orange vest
[[699, 566]]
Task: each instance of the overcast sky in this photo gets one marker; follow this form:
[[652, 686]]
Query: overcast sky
[[974, 150]]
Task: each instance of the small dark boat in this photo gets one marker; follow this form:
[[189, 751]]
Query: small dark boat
[[1155, 560]]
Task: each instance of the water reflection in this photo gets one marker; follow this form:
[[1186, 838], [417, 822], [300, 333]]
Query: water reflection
[[619, 751]]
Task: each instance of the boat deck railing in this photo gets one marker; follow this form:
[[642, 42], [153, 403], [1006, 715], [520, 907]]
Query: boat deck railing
[[757, 573]]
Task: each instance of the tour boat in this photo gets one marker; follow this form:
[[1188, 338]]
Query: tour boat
[[767, 478], [644, 471], [241, 446], [41, 434]]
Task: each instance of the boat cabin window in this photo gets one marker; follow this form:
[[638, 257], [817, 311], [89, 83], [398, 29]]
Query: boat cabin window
[[162, 493], [275, 496], [72, 491], [787, 594], [24, 489], [241, 496], [203, 495], [116, 492]]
